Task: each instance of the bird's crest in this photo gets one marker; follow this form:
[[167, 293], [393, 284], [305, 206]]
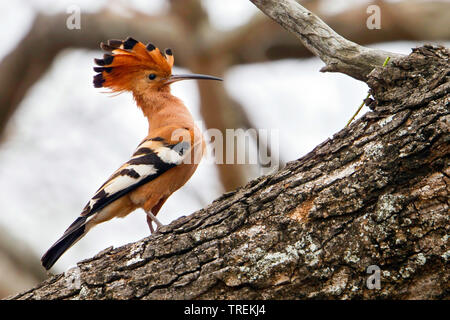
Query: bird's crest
[[126, 59]]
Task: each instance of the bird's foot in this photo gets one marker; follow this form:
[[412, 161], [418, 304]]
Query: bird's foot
[[151, 218]]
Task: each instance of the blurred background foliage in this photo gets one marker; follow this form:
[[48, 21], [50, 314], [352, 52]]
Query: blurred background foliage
[[60, 138]]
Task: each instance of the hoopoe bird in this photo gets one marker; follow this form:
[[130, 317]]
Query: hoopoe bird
[[163, 162]]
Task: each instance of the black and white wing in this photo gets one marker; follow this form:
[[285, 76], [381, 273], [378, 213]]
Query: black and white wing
[[152, 158]]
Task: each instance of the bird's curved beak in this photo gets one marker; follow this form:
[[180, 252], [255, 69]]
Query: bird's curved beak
[[177, 77]]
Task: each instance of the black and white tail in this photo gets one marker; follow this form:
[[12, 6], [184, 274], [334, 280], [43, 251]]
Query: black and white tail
[[74, 233]]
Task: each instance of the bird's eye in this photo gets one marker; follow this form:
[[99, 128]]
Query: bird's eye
[[152, 76]]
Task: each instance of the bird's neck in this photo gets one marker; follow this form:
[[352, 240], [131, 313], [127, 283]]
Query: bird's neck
[[163, 109]]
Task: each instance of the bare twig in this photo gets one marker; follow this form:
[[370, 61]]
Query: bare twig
[[338, 53]]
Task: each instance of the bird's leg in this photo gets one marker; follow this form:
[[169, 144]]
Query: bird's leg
[[151, 218], [149, 222], [152, 210]]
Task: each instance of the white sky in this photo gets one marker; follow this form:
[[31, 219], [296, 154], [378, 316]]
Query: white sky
[[67, 137]]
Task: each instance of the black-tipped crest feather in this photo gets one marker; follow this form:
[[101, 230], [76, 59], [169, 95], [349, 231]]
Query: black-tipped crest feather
[[125, 58], [129, 43], [115, 43], [98, 80]]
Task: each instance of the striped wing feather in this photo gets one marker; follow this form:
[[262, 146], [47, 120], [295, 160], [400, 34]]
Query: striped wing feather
[[152, 158]]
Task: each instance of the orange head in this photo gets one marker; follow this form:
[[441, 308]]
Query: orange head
[[132, 66]]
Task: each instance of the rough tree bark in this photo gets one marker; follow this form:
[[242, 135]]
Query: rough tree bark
[[376, 193]]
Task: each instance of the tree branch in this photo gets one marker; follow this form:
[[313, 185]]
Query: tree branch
[[338, 53]]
